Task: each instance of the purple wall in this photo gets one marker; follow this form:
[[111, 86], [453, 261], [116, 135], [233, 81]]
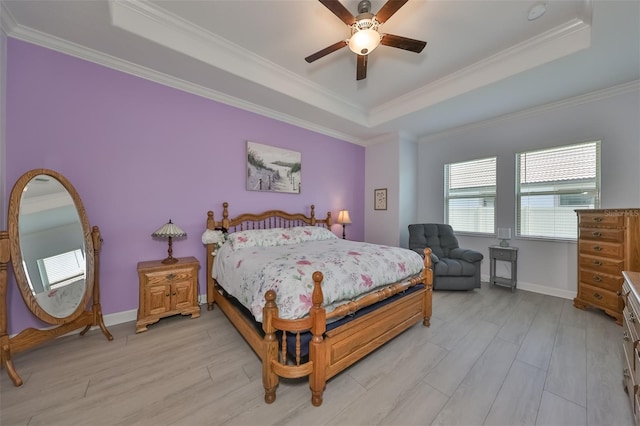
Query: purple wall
[[139, 153]]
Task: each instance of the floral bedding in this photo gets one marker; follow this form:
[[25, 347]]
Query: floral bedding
[[351, 269]]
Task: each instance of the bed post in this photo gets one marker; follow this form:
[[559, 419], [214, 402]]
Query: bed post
[[269, 378], [225, 215], [317, 351], [211, 224], [427, 279], [313, 215]]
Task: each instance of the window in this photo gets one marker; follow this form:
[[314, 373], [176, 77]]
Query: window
[[470, 195], [551, 184], [62, 269]]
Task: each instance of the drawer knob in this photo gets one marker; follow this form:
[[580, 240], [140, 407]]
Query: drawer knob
[[618, 293], [167, 295], [597, 248], [597, 296], [625, 336], [171, 276], [597, 278], [174, 293], [597, 219], [597, 262], [597, 234], [632, 317]]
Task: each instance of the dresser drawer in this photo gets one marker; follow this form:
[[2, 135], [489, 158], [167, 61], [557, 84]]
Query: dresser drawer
[[600, 297], [601, 265], [598, 279], [597, 248], [629, 382], [613, 235], [600, 219], [631, 317], [629, 342]]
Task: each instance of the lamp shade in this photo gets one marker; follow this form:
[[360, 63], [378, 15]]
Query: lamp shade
[[364, 41], [343, 217], [169, 229]]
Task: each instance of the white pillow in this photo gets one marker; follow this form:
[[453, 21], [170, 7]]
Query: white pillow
[[278, 236]]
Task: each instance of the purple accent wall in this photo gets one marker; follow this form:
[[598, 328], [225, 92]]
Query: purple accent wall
[[140, 153]]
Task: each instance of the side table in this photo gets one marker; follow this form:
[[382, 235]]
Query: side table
[[506, 254], [167, 289]]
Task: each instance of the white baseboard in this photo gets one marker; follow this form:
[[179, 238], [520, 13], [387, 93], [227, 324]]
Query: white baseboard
[[132, 315], [541, 289], [120, 317]]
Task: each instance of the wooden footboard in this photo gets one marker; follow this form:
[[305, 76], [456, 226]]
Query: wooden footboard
[[332, 351]]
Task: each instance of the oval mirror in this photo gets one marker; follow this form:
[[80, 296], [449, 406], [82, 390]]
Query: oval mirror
[[51, 246]]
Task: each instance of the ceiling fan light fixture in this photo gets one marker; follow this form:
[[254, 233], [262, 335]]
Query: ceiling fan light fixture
[[363, 42]]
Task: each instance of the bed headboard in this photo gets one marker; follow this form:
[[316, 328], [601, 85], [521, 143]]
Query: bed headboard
[[265, 220]]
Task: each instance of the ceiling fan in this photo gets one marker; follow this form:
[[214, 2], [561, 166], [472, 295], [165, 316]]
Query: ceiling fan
[[364, 32]]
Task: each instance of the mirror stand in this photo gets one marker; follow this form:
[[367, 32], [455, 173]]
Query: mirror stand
[[31, 337]]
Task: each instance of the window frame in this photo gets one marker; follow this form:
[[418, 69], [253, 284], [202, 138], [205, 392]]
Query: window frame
[[596, 192], [478, 194]]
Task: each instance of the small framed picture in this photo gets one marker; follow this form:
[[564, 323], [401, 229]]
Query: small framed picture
[[380, 199]]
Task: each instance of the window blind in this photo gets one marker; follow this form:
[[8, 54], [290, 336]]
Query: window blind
[[551, 184], [470, 195], [62, 269]]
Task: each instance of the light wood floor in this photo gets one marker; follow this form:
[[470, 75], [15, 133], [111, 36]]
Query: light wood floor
[[490, 357]]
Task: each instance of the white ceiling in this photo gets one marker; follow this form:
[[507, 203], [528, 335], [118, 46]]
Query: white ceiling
[[483, 58]]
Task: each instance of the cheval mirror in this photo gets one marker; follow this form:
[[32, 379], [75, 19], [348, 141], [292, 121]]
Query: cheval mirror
[[55, 258]]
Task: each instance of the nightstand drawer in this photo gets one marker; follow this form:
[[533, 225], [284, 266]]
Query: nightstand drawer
[[503, 254], [168, 277]]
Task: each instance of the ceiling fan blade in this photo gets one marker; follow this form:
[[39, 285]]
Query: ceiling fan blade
[[389, 9], [361, 69], [319, 54], [403, 43], [340, 11]]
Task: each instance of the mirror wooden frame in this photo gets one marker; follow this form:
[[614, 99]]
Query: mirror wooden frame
[[10, 251]]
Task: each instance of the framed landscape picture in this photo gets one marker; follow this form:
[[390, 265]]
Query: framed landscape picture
[[273, 169], [380, 199]]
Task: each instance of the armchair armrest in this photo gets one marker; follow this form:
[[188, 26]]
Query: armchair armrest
[[466, 254]]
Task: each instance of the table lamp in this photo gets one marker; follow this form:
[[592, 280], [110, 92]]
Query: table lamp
[[169, 231], [343, 218]]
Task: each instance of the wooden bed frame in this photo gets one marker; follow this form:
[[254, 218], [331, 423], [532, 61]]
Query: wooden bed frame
[[329, 351]]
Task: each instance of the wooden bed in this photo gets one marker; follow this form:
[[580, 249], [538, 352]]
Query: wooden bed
[[329, 351]]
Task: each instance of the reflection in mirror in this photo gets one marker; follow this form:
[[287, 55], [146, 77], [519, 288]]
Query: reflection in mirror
[[52, 246]]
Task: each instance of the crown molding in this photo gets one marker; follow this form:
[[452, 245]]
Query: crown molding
[[48, 41], [167, 29], [7, 21], [563, 40], [597, 95]]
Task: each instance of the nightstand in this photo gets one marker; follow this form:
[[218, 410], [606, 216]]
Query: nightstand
[[506, 254], [167, 290]]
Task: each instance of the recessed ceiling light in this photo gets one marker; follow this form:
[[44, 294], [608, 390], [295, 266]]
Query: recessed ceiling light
[[536, 11]]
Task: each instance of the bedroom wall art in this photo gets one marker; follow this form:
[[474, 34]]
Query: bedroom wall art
[[273, 169], [380, 199]]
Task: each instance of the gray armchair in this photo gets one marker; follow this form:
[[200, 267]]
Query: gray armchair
[[454, 268]]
